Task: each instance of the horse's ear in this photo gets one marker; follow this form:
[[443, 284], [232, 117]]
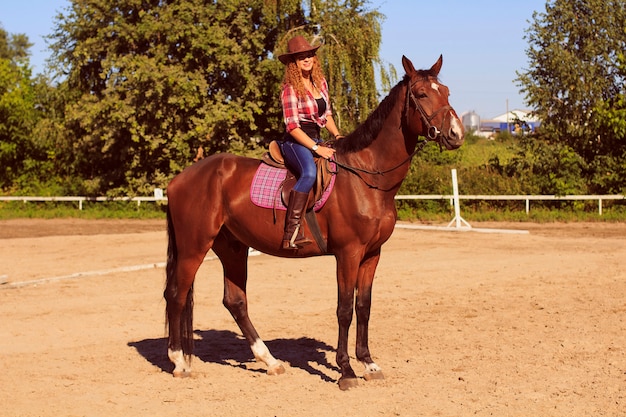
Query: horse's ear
[[408, 65], [437, 67]]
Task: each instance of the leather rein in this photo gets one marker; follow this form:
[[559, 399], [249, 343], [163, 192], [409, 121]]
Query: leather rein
[[433, 133]]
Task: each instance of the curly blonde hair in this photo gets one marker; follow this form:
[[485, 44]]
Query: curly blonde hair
[[293, 76]]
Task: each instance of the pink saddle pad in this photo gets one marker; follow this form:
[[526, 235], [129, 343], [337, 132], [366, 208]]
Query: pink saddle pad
[[265, 188]]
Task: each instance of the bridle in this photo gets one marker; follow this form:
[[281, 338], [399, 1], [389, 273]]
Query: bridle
[[432, 134]]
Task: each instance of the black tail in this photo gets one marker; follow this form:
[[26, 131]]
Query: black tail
[[171, 292]]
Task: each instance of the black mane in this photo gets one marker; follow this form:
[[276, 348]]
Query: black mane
[[367, 131]]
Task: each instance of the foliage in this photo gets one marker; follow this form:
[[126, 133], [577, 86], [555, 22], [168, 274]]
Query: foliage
[[149, 82], [546, 168], [478, 162], [139, 85], [574, 49], [18, 114], [505, 166], [609, 170], [14, 47], [350, 56]]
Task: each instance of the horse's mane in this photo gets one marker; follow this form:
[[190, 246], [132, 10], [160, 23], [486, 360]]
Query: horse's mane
[[367, 131]]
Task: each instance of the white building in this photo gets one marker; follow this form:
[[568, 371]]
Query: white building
[[511, 121]]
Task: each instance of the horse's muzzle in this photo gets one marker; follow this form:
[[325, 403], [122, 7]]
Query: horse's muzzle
[[453, 135]]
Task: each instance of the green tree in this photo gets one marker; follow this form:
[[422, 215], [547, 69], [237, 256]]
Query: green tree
[[17, 106], [610, 169], [147, 82], [14, 47], [47, 168], [352, 37], [573, 54]]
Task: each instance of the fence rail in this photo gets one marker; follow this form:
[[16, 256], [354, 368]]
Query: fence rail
[[80, 199], [527, 198]]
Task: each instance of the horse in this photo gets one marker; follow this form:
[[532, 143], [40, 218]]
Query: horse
[[209, 207]]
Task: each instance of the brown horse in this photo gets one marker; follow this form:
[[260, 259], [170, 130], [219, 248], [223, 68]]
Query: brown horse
[[210, 208]]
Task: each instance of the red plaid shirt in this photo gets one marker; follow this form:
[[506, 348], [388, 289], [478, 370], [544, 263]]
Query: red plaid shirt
[[301, 109]]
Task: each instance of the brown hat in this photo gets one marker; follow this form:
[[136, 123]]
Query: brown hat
[[296, 45]]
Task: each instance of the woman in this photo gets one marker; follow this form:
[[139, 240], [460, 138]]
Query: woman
[[306, 109]]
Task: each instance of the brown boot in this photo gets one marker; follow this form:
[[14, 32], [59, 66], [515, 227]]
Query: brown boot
[[293, 238]]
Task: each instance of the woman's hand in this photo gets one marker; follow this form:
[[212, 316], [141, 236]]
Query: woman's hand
[[325, 152]]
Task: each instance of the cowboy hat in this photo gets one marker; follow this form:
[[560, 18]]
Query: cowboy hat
[[296, 45]]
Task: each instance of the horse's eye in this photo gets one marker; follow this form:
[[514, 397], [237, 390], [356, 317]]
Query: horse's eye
[[422, 95]]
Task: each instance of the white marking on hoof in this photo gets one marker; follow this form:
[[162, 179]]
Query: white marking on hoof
[[262, 354], [372, 371], [371, 367], [182, 367]]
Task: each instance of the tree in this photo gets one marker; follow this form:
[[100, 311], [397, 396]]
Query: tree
[[573, 68], [147, 82], [17, 106], [610, 168], [14, 47], [352, 36], [150, 81]]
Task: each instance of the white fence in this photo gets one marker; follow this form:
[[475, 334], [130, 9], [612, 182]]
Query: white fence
[[80, 199], [526, 198]]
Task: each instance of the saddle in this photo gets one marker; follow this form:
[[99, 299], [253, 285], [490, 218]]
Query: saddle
[[274, 157]]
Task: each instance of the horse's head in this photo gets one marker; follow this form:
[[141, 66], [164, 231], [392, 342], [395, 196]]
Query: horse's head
[[428, 112]]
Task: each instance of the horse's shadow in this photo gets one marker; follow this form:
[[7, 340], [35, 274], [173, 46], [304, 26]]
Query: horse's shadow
[[228, 348]]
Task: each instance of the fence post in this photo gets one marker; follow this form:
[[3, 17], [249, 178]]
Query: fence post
[[457, 210]]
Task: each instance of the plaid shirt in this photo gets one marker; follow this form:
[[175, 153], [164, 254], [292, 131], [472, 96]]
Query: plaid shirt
[[296, 110]]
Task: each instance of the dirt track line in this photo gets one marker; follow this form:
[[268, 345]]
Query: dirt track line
[[4, 283], [76, 275], [81, 275]]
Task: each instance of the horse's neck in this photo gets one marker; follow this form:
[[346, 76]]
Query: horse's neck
[[388, 154]]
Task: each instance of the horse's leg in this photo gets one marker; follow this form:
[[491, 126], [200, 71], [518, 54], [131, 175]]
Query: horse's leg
[[363, 307], [182, 265], [346, 283], [179, 298], [234, 257]]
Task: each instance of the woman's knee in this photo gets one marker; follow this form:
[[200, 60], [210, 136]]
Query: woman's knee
[[306, 179]]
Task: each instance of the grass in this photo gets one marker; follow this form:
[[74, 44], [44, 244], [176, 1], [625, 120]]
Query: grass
[[477, 151], [512, 212], [436, 211], [91, 210]]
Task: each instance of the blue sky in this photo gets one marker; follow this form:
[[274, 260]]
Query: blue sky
[[482, 43]]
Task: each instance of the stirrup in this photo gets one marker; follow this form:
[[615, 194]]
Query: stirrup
[[294, 243]]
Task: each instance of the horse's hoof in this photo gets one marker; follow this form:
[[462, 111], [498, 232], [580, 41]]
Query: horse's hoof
[[347, 383], [276, 370], [369, 376], [181, 374]]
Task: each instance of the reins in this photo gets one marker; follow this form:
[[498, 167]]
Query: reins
[[358, 171], [432, 134]]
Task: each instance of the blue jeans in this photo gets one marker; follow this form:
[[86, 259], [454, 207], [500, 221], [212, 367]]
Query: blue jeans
[[300, 159]]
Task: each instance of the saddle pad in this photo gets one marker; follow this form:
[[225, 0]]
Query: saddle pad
[[265, 188]]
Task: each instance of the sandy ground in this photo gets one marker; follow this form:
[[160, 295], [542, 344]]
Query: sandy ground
[[463, 324]]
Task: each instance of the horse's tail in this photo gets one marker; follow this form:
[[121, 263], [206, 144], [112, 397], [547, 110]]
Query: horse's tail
[[171, 290]]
